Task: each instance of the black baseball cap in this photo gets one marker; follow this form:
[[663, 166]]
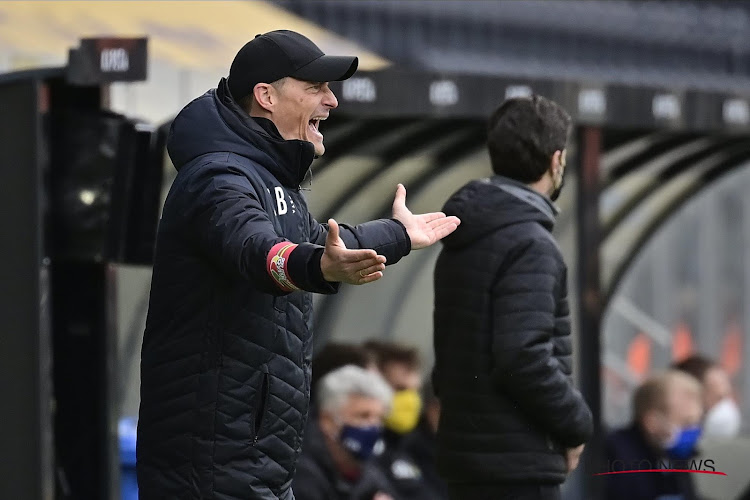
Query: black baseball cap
[[277, 54]]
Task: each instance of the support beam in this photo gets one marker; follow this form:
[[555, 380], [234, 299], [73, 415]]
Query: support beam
[[25, 372], [590, 302]]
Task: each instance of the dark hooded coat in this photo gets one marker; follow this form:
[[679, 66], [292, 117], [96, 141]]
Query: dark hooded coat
[[225, 363], [502, 341]]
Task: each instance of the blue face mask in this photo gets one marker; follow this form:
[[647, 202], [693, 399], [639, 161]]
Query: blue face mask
[[360, 441], [682, 446]]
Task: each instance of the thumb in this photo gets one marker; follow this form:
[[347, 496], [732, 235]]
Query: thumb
[[400, 199], [333, 233]]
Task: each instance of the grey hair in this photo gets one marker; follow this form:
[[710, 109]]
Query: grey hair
[[335, 388]]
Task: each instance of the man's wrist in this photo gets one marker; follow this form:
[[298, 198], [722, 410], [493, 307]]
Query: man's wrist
[[406, 248]]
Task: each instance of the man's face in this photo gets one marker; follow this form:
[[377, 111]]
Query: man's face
[[684, 409], [299, 109], [358, 411], [362, 411], [401, 376]]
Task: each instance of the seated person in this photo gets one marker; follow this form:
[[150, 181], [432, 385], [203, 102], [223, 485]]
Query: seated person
[[399, 365], [335, 355], [667, 411], [409, 457], [352, 403], [723, 418]]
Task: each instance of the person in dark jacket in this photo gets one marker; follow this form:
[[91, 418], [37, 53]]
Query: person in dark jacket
[[408, 459], [343, 437], [226, 355], [667, 411], [512, 423]]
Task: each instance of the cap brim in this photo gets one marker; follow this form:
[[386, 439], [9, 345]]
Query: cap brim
[[327, 69]]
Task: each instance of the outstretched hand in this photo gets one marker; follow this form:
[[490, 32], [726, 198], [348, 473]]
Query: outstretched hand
[[355, 267], [423, 229]]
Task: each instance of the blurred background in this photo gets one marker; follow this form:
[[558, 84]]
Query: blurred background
[[655, 221]]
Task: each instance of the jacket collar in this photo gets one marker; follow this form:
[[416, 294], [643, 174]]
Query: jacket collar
[[528, 195], [290, 160]]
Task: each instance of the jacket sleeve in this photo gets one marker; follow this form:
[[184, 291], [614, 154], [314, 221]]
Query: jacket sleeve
[[523, 322], [387, 237], [223, 215]]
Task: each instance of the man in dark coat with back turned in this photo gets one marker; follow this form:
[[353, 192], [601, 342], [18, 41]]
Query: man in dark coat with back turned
[[512, 424], [225, 363]]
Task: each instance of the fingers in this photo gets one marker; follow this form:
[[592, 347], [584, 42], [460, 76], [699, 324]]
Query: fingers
[[399, 201], [333, 232], [442, 219], [365, 271], [432, 216], [369, 278], [444, 227], [364, 258]]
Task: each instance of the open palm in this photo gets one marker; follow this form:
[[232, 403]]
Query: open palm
[[423, 229]]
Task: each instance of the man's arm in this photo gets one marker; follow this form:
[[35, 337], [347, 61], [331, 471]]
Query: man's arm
[[396, 237], [524, 306], [387, 237], [223, 215]]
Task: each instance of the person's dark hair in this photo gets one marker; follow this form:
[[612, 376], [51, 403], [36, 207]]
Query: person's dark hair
[[335, 355], [386, 353], [695, 365], [523, 134]]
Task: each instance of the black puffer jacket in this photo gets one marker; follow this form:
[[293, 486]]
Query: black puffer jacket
[[502, 341], [225, 364]]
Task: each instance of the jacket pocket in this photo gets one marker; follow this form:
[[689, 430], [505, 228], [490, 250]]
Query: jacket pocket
[[260, 411]]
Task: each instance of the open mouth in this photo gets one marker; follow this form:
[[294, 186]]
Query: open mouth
[[314, 124]]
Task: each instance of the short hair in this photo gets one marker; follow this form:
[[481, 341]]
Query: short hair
[[386, 352], [523, 134], [335, 355], [696, 365], [246, 102], [653, 394], [335, 388]]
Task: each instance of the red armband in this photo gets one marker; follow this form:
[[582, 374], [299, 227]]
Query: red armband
[[276, 265]]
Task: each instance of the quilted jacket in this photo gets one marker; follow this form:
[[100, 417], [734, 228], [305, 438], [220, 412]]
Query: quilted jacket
[[502, 341], [225, 362]]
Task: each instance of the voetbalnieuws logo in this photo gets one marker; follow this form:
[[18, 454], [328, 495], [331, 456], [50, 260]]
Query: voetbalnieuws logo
[[693, 466]]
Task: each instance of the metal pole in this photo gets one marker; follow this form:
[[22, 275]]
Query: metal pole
[[590, 300], [25, 373]]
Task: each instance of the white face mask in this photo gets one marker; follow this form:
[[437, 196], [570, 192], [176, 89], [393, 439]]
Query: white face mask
[[723, 420]]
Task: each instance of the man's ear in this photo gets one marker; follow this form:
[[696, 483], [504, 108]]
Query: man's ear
[[265, 96], [555, 164], [327, 424]]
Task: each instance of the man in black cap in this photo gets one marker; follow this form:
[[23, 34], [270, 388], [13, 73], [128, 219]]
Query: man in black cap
[[225, 363]]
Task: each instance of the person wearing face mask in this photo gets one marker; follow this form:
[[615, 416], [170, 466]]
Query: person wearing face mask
[[512, 423], [404, 461], [352, 404], [722, 419], [400, 367], [667, 411]]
